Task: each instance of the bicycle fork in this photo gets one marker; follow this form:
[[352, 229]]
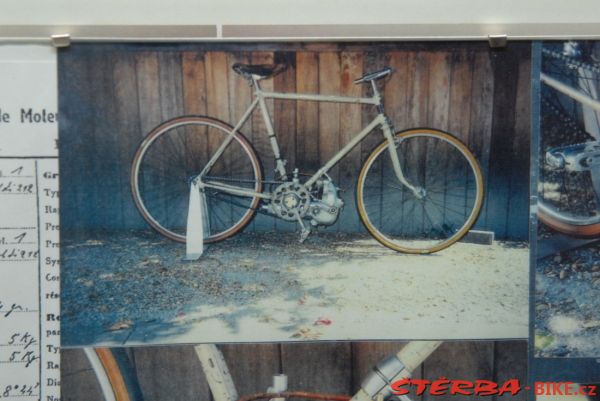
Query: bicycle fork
[[392, 143]]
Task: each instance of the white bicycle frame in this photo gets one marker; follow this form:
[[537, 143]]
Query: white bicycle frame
[[410, 357], [571, 92], [380, 120], [222, 387]]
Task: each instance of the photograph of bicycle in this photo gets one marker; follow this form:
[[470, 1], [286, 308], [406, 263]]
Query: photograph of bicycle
[[325, 180], [567, 309], [408, 208], [335, 371]]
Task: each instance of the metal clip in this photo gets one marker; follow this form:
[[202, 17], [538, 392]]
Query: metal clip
[[61, 40], [498, 41], [381, 376]]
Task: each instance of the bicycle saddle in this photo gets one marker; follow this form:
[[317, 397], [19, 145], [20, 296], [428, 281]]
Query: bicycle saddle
[[371, 76], [258, 71]]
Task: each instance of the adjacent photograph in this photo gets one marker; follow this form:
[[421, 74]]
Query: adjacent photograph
[[335, 371], [567, 272], [234, 192]]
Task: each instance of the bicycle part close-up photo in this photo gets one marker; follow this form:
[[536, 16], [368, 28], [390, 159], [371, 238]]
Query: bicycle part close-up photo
[[357, 371], [247, 191], [567, 322]]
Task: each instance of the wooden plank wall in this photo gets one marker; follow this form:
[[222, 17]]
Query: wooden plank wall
[[174, 374], [111, 95]]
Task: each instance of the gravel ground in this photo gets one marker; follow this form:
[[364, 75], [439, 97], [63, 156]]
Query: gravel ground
[[135, 288], [567, 302]]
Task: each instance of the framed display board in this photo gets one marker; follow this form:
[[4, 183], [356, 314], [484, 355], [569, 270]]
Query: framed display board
[[299, 200]]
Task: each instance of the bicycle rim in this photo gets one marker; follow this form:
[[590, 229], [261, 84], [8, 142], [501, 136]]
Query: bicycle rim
[[114, 373], [567, 203], [176, 152], [448, 173]]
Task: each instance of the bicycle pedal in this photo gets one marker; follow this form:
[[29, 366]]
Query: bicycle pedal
[[304, 235]]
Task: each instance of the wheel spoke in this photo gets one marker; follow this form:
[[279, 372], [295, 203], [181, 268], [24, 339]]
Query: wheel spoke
[[172, 155], [440, 166]]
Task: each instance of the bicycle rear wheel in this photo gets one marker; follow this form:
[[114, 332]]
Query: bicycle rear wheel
[[568, 200], [450, 178], [172, 155], [568, 203]]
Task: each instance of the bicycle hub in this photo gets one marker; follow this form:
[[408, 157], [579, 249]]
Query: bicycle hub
[[573, 158]]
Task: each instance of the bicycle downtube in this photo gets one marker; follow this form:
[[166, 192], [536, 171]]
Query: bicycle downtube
[[216, 373], [405, 361]]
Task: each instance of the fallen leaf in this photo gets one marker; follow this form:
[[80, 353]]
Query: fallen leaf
[[542, 341], [590, 324], [322, 322], [122, 325], [306, 333]]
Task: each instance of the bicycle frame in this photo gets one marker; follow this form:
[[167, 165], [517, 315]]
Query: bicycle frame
[[381, 120], [571, 92], [396, 366]]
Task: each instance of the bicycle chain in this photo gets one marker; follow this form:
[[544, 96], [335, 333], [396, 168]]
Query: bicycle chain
[[234, 203], [226, 179], [572, 62], [567, 120]]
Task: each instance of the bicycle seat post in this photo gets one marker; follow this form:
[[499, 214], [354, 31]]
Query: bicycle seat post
[[375, 90], [377, 96]]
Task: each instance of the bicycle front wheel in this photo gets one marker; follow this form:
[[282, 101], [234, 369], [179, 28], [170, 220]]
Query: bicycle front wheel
[[451, 192], [176, 152]]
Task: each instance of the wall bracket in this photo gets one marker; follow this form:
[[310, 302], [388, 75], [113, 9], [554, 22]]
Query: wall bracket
[[498, 41], [61, 40]]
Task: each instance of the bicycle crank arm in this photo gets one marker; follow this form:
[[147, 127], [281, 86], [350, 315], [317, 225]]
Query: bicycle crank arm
[[233, 190], [377, 383]]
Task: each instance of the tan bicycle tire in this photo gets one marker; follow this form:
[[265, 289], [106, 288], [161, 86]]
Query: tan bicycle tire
[[472, 216], [180, 121], [574, 230], [114, 374]]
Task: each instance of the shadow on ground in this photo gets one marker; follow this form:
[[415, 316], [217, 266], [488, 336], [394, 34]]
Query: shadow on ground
[[567, 302], [134, 287]]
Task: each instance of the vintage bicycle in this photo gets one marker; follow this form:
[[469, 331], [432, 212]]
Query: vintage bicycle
[[419, 191]]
